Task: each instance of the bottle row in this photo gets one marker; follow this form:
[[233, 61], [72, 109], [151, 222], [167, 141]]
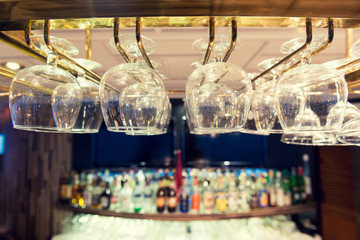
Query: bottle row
[[205, 191]]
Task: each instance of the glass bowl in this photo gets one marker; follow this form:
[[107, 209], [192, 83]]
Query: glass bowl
[[133, 98], [218, 97]]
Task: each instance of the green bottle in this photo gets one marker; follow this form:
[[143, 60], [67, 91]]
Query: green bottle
[[286, 186], [294, 187]]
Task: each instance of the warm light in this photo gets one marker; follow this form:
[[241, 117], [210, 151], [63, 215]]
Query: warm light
[[226, 163], [12, 66]]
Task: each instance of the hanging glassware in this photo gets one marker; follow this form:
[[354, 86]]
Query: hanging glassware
[[133, 96], [45, 98], [306, 94]]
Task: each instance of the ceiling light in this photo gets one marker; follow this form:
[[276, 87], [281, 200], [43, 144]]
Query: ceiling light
[[12, 66]]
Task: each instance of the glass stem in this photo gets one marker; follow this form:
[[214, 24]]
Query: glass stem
[[52, 59]]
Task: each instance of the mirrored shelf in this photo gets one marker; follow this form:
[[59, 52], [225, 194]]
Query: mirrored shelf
[[197, 217]]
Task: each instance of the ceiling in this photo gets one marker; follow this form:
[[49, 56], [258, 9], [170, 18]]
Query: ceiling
[[174, 48]]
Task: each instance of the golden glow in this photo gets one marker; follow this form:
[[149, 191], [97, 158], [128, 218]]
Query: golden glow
[[192, 21]]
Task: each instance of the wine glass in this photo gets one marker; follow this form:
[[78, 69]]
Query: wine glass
[[129, 44], [250, 126], [133, 98], [349, 133], [45, 98], [263, 103], [90, 115], [305, 95], [218, 98], [323, 138], [221, 45], [162, 124]]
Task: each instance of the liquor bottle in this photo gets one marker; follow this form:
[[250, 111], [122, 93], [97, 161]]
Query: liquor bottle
[[184, 196], [243, 192], [171, 197], [294, 187], [287, 189], [96, 193], [254, 197], [263, 195], [308, 188], [148, 196], [88, 191], [279, 190], [209, 197], [271, 189], [221, 196], [137, 196], [233, 194], [301, 185], [196, 197], [65, 189], [76, 195], [160, 197], [117, 193], [105, 197], [126, 195]]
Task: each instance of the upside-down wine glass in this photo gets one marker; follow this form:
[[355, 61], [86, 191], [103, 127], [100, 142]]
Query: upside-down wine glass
[[263, 101], [218, 94], [45, 98], [133, 96], [90, 116], [306, 95]]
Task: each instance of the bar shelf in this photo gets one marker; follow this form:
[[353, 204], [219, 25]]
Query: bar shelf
[[196, 217]]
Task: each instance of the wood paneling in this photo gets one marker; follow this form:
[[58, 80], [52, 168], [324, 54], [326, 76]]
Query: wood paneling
[[29, 181], [338, 194]]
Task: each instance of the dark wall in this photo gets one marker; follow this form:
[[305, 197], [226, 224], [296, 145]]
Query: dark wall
[[30, 169]]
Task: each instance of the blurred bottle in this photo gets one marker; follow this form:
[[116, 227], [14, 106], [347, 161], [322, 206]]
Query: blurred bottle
[[171, 197], [160, 197], [308, 186], [271, 189], [117, 193], [243, 192], [279, 189], [263, 195], [294, 187], [126, 196], [209, 197], [233, 194], [138, 196], [178, 174], [254, 197], [66, 189], [221, 196], [184, 196], [196, 197], [96, 193], [287, 189], [105, 197], [88, 192], [148, 196], [76, 196], [301, 185]]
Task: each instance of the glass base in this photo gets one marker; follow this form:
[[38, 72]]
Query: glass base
[[145, 133], [309, 139], [276, 131], [135, 130], [349, 138], [83, 131], [213, 130], [42, 129], [254, 132]]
